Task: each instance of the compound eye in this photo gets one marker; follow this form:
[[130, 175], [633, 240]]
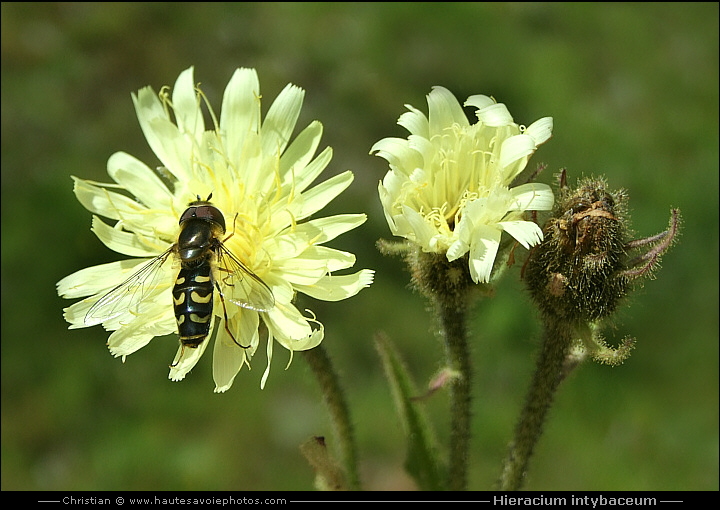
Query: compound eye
[[212, 214], [187, 215], [204, 212]]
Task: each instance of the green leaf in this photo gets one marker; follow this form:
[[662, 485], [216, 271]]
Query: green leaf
[[421, 462]]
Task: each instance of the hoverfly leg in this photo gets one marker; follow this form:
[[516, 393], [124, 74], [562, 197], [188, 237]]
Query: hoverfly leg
[[182, 352], [227, 278], [233, 230], [222, 300]]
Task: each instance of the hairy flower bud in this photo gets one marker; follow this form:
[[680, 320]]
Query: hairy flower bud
[[583, 268], [576, 273]]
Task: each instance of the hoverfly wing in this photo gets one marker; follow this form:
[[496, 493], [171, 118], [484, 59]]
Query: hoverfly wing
[[128, 295], [240, 285]]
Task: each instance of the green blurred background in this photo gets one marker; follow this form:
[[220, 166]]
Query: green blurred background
[[633, 89]]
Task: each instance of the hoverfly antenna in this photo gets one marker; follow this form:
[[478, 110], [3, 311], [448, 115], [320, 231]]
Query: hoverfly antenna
[[199, 199]]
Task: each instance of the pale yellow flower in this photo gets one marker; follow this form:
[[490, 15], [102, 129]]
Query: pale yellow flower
[[260, 180], [448, 188]]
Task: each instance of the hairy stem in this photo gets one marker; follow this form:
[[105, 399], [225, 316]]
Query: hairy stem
[[454, 332], [550, 371], [321, 366]]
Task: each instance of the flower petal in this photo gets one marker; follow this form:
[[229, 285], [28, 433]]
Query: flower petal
[[540, 130], [186, 359], [483, 248], [490, 113], [336, 288], [481, 102], [332, 259], [95, 279], [313, 200], [399, 154], [280, 120], [126, 243], [186, 106], [269, 352], [415, 122], [457, 249], [322, 230], [533, 196], [297, 157], [514, 153], [162, 134], [138, 333], [305, 176], [106, 203], [526, 233], [302, 271], [419, 230], [136, 177], [444, 111], [240, 114], [286, 324], [228, 357]]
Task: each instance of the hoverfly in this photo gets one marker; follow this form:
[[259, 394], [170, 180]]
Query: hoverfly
[[206, 265]]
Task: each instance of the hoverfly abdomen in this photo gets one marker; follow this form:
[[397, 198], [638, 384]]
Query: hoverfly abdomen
[[193, 304]]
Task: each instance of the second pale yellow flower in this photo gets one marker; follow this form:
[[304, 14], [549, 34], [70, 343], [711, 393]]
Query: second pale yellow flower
[[449, 185]]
